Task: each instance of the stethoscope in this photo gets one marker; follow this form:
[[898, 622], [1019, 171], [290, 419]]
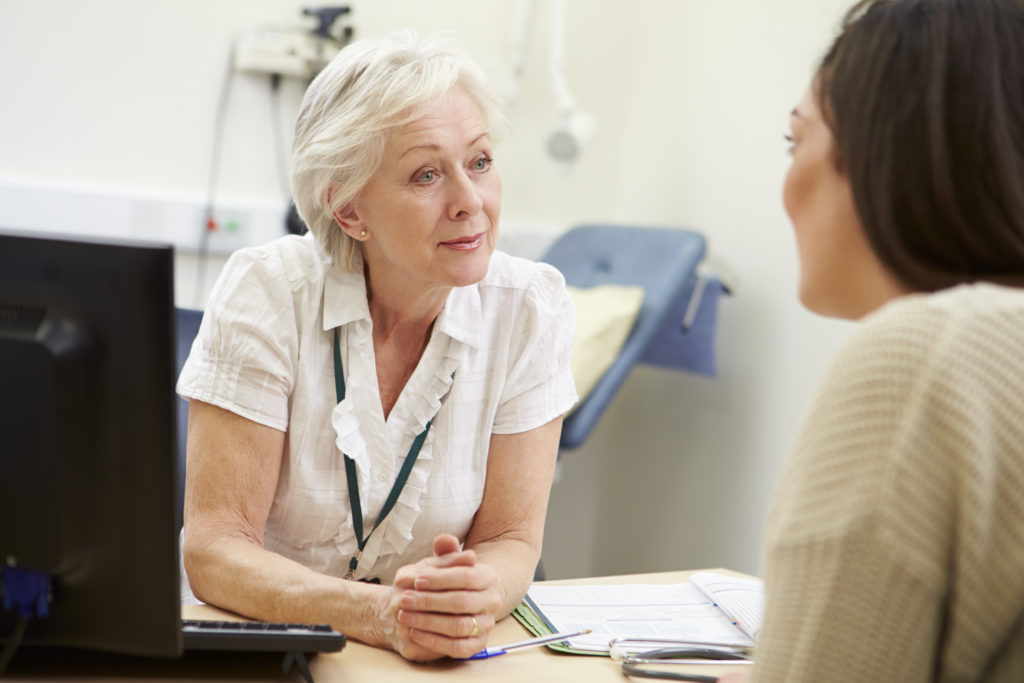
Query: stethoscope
[[633, 662]]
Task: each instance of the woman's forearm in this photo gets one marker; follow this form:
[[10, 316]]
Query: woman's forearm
[[508, 530], [515, 562], [242, 576]]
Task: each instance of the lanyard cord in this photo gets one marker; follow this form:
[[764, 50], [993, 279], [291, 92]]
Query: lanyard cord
[[353, 480]]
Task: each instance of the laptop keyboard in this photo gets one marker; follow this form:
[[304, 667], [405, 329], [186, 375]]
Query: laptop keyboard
[[202, 634]]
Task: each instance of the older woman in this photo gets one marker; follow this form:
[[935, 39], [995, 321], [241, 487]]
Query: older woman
[[375, 407], [894, 549]]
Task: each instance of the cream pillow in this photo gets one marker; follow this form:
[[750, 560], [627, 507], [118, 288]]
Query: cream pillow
[[604, 318]]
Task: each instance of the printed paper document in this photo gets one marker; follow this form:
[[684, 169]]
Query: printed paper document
[[711, 607]]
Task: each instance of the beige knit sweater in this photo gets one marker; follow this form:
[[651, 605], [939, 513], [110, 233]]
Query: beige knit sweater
[[894, 548]]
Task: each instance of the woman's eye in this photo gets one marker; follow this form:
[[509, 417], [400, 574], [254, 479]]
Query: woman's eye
[[483, 163], [790, 143], [426, 176]]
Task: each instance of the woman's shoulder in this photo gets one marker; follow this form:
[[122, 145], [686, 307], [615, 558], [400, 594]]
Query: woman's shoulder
[[284, 274], [961, 326], [519, 288], [287, 264], [516, 273], [961, 311], [291, 257]]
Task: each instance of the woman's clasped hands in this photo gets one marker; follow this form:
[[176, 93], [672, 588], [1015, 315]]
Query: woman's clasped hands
[[443, 605]]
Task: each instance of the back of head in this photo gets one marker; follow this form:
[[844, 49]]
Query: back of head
[[370, 88], [925, 99]]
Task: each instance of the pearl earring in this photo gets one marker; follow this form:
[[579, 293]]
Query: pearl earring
[[362, 233]]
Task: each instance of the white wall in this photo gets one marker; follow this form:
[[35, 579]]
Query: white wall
[[691, 98]]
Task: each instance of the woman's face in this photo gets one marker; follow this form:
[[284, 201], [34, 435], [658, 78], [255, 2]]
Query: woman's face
[[431, 210], [839, 273]]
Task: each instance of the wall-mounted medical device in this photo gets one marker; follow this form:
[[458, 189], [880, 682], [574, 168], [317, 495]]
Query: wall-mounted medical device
[[294, 52], [574, 128]]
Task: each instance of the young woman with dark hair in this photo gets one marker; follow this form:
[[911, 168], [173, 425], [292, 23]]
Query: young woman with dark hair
[[894, 547]]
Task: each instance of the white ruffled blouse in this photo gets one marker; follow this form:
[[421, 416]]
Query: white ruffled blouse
[[497, 362]]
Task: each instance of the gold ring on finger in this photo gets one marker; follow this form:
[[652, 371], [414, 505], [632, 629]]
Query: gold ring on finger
[[476, 627]]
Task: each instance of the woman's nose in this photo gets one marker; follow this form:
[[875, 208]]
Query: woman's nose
[[465, 199]]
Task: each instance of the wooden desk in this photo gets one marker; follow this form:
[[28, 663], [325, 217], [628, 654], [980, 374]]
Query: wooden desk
[[356, 662]]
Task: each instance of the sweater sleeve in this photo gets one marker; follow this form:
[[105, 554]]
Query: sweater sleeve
[[894, 547], [858, 535]]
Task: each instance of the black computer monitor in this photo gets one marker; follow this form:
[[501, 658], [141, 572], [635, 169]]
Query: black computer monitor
[[88, 469]]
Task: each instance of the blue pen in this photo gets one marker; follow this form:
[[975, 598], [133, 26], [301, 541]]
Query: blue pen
[[485, 653]]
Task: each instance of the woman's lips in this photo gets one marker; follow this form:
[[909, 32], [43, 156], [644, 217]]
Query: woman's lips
[[468, 243]]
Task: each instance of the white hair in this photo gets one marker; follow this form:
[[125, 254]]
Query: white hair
[[371, 87]]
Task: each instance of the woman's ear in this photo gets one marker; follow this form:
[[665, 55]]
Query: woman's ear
[[346, 217]]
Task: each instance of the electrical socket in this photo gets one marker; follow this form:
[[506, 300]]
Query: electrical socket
[[230, 231], [292, 53]]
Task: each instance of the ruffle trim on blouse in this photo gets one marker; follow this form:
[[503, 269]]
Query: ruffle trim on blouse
[[426, 392], [345, 420]]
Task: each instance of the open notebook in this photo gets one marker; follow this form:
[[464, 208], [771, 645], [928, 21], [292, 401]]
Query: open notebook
[[711, 608]]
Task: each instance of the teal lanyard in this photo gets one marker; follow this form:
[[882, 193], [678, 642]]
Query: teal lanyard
[[353, 481]]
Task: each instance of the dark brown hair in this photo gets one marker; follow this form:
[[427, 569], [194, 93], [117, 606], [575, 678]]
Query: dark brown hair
[[925, 99]]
